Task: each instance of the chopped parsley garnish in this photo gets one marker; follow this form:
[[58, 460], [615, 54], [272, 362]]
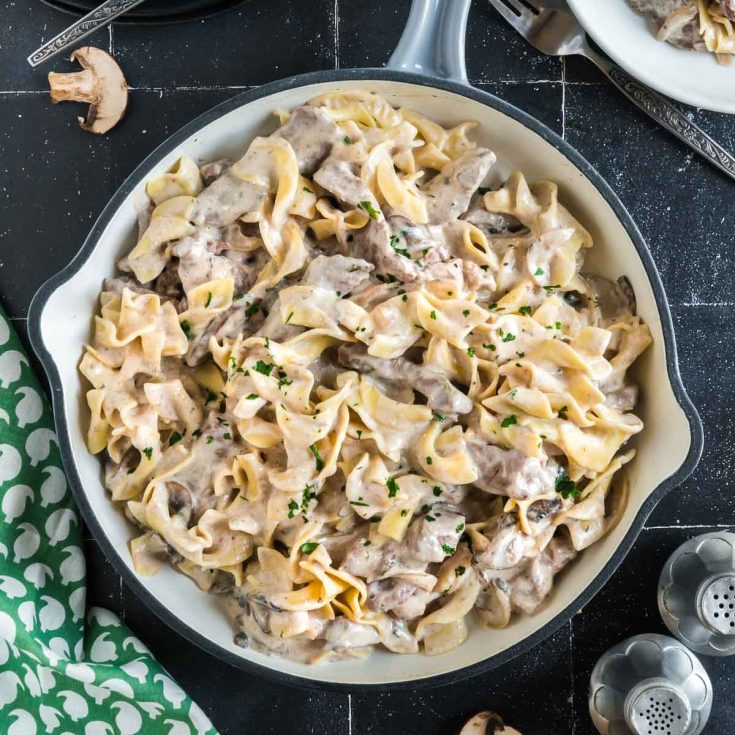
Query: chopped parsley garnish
[[436, 416], [557, 325], [227, 436], [309, 546], [306, 496], [459, 571], [196, 433], [401, 251], [175, 438], [367, 542], [430, 519], [369, 208], [211, 396], [562, 412], [186, 328], [538, 272], [447, 549], [148, 451], [263, 368], [209, 299], [392, 487], [432, 314], [509, 421], [347, 140], [425, 508], [289, 317], [251, 396], [489, 346], [359, 433], [317, 457], [436, 490], [521, 354], [525, 310], [482, 190], [404, 298], [404, 513], [252, 309], [308, 190], [459, 528], [210, 439], [429, 460], [471, 351], [466, 312], [509, 337], [293, 507], [566, 487], [358, 502]]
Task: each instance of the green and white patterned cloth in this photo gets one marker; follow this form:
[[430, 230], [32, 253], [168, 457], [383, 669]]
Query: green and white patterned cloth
[[61, 671]]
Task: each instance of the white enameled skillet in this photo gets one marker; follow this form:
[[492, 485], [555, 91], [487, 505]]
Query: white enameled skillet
[[425, 73]]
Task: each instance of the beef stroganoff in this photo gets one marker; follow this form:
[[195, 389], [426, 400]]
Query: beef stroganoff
[[699, 25], [361, 392]]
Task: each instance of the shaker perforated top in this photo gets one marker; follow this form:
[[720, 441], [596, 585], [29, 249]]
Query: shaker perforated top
[[153, 11]]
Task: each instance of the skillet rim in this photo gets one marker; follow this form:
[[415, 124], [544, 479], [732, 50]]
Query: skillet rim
[[379, 75]]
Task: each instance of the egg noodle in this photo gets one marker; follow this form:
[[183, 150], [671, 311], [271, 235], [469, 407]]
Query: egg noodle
[[359, 390]]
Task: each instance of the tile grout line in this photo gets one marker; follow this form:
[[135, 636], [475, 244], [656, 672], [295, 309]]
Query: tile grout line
[[336, 34], [349, 707], [563, 98], [571, 674], [236, 87], [686, 527], [111, 41]]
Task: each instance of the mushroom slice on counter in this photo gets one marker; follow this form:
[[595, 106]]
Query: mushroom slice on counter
[[101, 84], [487, 723]]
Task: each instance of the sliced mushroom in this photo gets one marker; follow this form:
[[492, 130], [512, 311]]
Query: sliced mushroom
[[487, 723], [101, 84]]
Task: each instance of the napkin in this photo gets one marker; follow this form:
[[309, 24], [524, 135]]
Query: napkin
[[62, 671]]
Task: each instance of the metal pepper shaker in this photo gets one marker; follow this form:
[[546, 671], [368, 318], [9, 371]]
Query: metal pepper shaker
[[649, 685], [696, 594]]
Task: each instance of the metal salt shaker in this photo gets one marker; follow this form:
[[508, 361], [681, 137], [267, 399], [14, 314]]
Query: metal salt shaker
[[650, 685], [696, 594]]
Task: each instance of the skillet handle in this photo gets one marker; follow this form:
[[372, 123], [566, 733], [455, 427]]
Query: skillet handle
[[433, 41]]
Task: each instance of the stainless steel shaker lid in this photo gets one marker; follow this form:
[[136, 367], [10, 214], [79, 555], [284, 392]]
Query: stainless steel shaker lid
[[696, 593], [649, 685], [657, 707]]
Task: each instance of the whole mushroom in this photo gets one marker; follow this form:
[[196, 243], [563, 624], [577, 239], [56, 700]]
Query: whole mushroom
[[101, 84], [487, 723]]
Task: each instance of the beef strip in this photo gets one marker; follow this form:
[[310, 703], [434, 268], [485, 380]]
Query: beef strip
[[429, 380], [422, 245], [311, 133], [430, 538], [212, 171], [509, 472], [728, 8], [491, 223], [340, 179], [227, 199], [530, 588], [449, 193], [337, 273]]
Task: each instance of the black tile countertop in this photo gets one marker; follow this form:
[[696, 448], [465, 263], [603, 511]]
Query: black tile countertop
[[56, 179]]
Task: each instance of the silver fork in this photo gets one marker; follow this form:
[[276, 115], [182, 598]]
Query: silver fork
[[550, 26]]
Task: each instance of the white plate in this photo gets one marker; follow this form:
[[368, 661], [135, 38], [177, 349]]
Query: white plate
[[692, 77]]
